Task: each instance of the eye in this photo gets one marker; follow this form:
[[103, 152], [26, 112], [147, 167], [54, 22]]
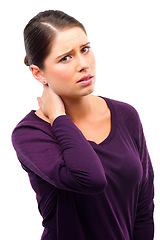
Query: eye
[[66, 58], [85, 49]]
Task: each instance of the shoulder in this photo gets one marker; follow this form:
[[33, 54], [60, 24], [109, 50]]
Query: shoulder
[[29, 128], [124, 112], [126, 116], [31, 120]]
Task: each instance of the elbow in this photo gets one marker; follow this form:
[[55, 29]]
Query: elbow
[[98, 184], [84, 182]]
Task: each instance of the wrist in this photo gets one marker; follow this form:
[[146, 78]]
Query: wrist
[[51, 119]]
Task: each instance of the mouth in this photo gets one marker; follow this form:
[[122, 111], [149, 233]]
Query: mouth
[[85, 78]]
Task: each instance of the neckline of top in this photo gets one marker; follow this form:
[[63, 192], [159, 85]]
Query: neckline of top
[[113, 122]]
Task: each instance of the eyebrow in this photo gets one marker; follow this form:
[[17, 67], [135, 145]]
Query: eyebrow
[[64, 54]]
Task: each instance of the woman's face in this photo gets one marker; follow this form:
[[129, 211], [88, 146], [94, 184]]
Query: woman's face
[[70, 60]]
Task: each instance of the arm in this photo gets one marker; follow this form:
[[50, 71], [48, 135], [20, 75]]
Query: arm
[[144, 224], [61, 155]]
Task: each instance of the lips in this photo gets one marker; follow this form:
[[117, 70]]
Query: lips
[[85, 78]]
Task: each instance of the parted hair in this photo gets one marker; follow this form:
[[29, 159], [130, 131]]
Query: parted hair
[[40, 32]]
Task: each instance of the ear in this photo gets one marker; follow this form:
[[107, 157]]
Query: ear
[[38, 74]]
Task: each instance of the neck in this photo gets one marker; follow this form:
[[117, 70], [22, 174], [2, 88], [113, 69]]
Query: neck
[[79, 108]]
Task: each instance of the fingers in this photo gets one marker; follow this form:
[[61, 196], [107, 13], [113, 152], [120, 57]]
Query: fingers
[[48, 89], [45, 86], [39, 101]]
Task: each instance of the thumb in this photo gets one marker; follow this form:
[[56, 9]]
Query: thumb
[[39, 101]]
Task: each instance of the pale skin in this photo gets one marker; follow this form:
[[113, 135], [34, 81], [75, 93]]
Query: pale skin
[[70, 59]]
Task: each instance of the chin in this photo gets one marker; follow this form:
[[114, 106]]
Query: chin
[[77, 94], [88, 93]]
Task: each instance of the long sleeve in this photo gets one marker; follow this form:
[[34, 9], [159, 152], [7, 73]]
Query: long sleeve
[[61, 156], [67, 172], [144, 224]]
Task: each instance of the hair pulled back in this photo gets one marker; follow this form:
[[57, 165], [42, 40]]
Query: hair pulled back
[[40, 32]]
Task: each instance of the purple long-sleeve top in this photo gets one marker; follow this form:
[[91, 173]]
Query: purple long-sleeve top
[[85, 190]]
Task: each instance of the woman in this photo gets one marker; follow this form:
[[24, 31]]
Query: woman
[[85, 155]]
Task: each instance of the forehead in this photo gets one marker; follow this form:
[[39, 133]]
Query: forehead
[[68, 39]]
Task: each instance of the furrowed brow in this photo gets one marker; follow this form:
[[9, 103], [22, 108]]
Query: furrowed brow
[[69, 52], [85, 44]]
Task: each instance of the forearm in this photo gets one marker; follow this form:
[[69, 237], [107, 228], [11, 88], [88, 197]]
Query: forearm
[[80, 159], [60, 155]]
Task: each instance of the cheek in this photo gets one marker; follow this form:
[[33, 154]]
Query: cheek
[[59, 77], [93, 61], [62, 73]]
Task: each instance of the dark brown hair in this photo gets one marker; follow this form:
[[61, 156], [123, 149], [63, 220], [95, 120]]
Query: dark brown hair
[[40, 32]]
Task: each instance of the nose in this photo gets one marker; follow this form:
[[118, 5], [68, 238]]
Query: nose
[[82, 64]]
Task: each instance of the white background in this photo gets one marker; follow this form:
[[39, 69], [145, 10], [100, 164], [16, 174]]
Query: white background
[[125, 36]]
